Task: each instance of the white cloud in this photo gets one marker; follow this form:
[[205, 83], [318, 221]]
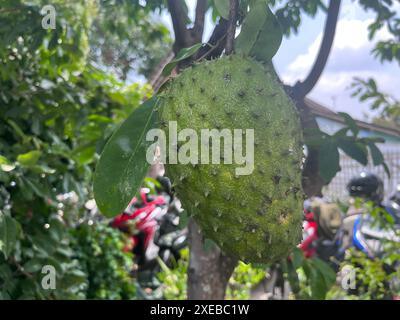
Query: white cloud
[[350, 57], [351, 39]]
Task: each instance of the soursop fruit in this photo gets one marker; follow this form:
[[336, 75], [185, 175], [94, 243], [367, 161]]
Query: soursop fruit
[[256, 217]]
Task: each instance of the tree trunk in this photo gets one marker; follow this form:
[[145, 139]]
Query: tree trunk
[[312, 181], [209, 270]]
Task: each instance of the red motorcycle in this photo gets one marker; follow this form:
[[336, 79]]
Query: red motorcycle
[[151, 222], [140, 221]]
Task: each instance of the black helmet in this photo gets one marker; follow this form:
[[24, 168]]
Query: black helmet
[[367, 186]]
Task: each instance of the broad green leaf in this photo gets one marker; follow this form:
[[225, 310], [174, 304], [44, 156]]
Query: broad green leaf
[[327, 272], [349, 121], [328, 160], [376, 154], [292, 275], [222, 8], [6, 165], [122, 165], [8, 234], [30, 158], [314, 136], [298, 258], [355, 150], [318, 285], [341, 133], [373, 139], [307, 268], [385, 166], [261, 34], [182, 55], [322, 278], [377, 157]]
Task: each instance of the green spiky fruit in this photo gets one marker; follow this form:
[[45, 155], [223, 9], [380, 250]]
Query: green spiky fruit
[[256, 217]]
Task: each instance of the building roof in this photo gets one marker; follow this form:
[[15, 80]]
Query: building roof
[[322, 111]]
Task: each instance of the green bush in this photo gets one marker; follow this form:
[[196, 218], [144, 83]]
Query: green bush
[[173, 280], [100, 252], [56, 113]]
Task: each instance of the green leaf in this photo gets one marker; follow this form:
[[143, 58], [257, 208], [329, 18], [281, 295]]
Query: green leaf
[[85, 155], [298, 258], [327, 272], [30, 158], [18, 131], [355, 150], [38, 189], [261, 34], [122, 165], [349, 121], [33, 265], [341, 133], [318, 285], [8, 234], [222, 7], [376, 154], [182, 55], [6, 165], [377, 157], [328, 161], [292, 276], [322, 278], [385, 166]]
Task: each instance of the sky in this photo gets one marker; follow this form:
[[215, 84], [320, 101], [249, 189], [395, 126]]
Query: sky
[[350, 57]]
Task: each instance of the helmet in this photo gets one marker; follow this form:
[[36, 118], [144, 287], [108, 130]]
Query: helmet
[[367, 186]]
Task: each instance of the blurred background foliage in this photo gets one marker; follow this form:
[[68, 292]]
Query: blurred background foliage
[[57, 109], [62, 93]]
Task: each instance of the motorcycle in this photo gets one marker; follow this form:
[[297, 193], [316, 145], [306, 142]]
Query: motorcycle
[[371, 237], [321, 230], [151, 222], [326, 221]]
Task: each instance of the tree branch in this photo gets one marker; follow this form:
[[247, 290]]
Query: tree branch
[[156, 78], [301, 89], [230, 36], [179, 18], [198, 27], [217, 39]]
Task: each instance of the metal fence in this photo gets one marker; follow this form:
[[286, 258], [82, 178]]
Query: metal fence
[[336, 190]]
